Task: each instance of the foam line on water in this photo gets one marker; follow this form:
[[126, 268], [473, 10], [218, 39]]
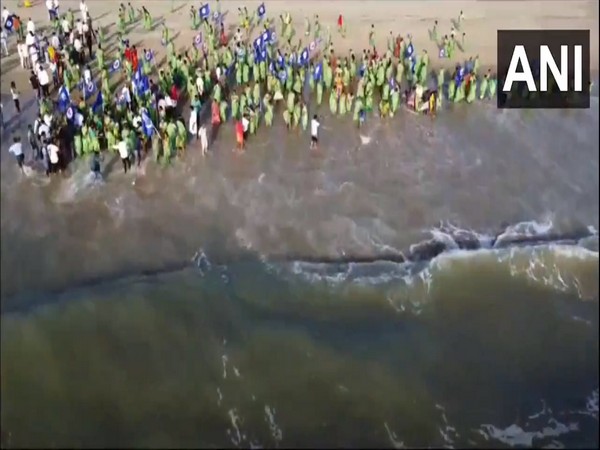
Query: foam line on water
[[447, 244]]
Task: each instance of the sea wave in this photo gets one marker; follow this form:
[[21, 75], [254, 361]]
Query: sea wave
[[532, 252]]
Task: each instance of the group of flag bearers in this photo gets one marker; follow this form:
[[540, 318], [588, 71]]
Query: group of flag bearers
[[244, 78]]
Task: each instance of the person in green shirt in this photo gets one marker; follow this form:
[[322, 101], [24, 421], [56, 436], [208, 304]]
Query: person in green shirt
[[197, 104]]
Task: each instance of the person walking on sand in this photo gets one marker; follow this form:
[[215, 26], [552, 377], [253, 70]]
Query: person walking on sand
[[340, 25], [14, 92], [23, 54], [372, 37], [3, 41], [461, 17]]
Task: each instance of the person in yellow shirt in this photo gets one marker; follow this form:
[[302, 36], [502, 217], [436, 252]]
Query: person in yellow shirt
[[51, 53]]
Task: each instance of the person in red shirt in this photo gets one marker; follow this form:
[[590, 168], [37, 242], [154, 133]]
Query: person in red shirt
[[239, 135], [128, 53], [397, 47], [134, 58], [223, 37], [174, 93], [340, 25], [215, 113]]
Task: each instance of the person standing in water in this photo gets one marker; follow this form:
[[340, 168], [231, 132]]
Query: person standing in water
[[314, 132], [203, 140], [17, 149], [121, 146], [239, 134]]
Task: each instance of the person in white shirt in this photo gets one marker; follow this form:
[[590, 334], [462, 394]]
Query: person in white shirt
[[49, 7], [53, 156], [84, 10], [44, 80], [66, 26], [246, 125], [14, 92], [23, 55], [314, 132], [4, 41], [79, 27], [55, 41], [5, 15], [17, 149], [121, 146], [203, 140], [79, 49], [30, 39], [43, 130], [33, 55], [30, 26]]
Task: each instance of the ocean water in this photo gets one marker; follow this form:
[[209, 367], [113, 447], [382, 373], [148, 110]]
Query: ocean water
[[418, 283]]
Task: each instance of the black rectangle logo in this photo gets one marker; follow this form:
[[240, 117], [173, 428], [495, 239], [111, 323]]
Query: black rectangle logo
[[544, 69]]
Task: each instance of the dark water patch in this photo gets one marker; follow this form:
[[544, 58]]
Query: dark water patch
[[160, 354]]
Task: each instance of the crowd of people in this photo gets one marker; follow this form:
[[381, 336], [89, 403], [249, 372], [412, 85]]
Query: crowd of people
[[127, 103]]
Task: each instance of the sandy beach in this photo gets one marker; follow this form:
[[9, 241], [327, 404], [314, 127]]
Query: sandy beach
[[482, 20]]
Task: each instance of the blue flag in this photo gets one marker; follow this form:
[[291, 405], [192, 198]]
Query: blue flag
[[272, 68], [258, 43], [458, 79], [9, 24], [98, 105], [89, 89], [266, 36], [70, 113], [318, 72], [147, 125], [204, 11], [115, 66], [64, 99], [142, 84], [261, 11], [304, 57], [282, 75], [409, 50]]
